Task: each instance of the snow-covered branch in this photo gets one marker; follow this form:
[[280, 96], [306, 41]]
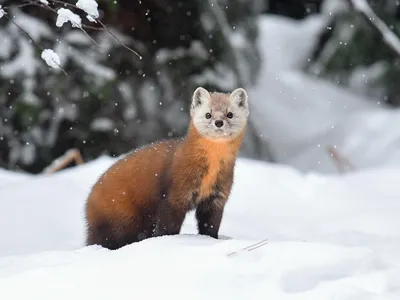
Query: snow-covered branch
[[90, 8], [390, 38], [48, 55], [2, 12], [65, 15]]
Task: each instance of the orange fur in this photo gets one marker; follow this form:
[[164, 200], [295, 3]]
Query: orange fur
[[124, 204]]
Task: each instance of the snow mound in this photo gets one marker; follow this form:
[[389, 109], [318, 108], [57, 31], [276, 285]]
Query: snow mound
[[199, 267], [328, 237], [8, 177]]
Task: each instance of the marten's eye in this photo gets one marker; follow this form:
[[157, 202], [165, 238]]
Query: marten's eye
[[208, 115], [230, 115]]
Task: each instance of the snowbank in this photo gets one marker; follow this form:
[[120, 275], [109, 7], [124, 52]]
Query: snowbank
[[329, 237], [299, 115]]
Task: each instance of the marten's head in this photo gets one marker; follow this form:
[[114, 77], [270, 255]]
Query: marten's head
[[219, 115]]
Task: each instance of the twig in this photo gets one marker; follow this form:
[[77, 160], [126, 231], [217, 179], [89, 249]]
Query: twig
[[23, 5], [63, 161], [341, 162], [391, 39], [250, 247], [118, 40], [32, 39]]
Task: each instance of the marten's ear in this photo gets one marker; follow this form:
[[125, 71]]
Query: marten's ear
[[199, 96], [239, 96]]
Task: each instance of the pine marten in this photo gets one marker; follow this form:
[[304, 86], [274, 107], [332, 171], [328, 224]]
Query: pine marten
[[148, 192]]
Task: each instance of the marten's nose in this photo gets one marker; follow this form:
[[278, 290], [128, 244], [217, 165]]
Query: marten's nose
[[219, 123]]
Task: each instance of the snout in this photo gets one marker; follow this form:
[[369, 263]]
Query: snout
[[219, 123]]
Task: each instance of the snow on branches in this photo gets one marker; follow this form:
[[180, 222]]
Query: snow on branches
[[51, 58], [2, 12], [64, 15], [90, 7]]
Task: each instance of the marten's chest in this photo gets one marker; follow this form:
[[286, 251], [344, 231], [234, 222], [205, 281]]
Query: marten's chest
[[212, 184], [209, 179], [208, 172]]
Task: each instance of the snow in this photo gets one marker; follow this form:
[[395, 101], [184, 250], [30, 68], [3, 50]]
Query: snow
[[329, 237], [317, 113], [45, 2], [91, 19], [51, 58], [65, 15], [8, 177], [90, 7], [2, 12]]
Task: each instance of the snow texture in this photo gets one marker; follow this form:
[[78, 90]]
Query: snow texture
[[299, 115], [89, 6], [45, 2], [51, 58], [329, 237], [65, 15]]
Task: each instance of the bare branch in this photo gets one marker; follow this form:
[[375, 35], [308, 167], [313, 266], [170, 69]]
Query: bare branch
[[72, 155], [342, 163], [118, 40], [23, 5]]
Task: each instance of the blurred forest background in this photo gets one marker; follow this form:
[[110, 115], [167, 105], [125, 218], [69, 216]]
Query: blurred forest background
[[111, 101]]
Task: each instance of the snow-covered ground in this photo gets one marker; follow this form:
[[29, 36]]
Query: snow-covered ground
[[329, 237], [300, 115]]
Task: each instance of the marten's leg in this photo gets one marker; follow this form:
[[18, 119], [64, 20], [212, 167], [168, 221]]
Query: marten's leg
[[100, 233], [169, 218], [209, 216]]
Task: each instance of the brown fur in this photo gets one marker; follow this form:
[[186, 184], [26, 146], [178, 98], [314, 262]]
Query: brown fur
[[149, 192]]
